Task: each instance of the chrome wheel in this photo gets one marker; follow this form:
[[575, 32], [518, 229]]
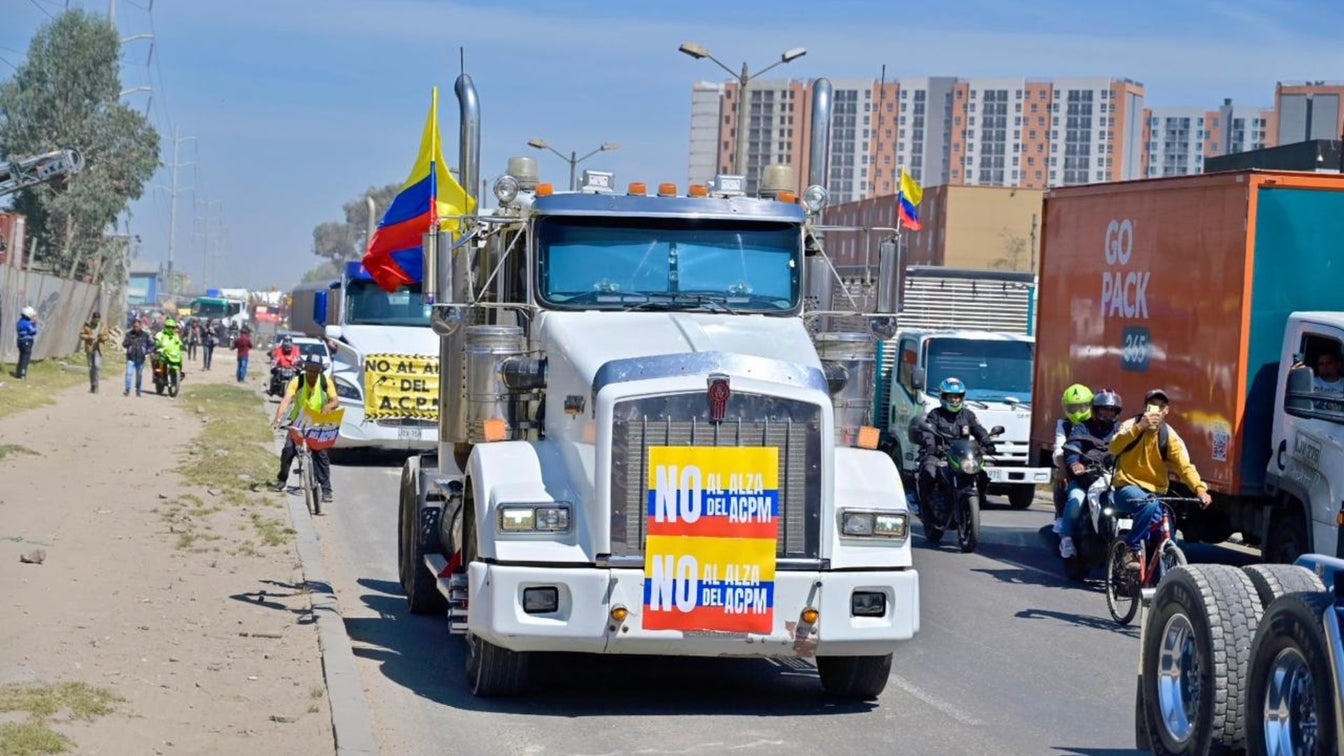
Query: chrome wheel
[[1290, 705], [1178, 678]]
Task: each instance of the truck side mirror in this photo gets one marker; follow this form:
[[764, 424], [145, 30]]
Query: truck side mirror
[[320, 308], [917, 378], [1297, 393]]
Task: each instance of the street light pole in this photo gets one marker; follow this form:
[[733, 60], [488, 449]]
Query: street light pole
[[572, 158], [744, 78]]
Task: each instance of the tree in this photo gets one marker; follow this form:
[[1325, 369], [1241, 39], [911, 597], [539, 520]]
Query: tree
[[66, 95], [325, 271], [339, 241]]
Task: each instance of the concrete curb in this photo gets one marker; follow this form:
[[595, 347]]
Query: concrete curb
[[350, 718]]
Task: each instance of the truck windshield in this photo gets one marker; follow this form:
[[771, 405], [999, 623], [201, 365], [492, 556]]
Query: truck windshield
[[668, 263], [209, 307], [991, 370], [367, 304]]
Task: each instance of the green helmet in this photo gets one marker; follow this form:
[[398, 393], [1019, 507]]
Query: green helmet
[[170, 323], [1078, 403]]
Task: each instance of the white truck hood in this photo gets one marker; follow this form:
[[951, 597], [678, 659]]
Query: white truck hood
[[380, 339], [588, 340]]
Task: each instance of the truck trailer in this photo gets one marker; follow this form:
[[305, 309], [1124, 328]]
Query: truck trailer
[[1214, 288], [641, 450]]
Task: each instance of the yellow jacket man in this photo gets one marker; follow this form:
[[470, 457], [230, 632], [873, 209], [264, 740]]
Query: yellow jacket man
[[1147, 452], [315, 390]]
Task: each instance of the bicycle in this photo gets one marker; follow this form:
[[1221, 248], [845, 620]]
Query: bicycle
[[1125, 588], [312, 497]]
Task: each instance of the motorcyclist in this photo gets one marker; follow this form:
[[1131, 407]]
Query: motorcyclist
[[316, 390], [1144, 468], [168, 345], [1077, 403], [947, 421], [1089, 441], [285, 356]]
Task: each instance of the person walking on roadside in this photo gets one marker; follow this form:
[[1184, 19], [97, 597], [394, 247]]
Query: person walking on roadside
[[27, 335], [207, 344], [243, 345], [93, 337], [138, 344], [193, 338]]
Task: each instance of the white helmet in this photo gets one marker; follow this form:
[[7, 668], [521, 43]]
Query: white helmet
[[29, 312]]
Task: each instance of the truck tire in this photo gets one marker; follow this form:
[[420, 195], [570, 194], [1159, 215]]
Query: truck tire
[[1275, 580], [1290, 683], [492, 671], [1021, 497], [1287, 538], [855, 678], [1195, 654], [416, 529]]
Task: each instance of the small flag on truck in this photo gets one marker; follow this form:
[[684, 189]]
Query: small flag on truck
[[430, 197]]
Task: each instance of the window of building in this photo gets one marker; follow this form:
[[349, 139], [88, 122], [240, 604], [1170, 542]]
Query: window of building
[[1038, 175], [960, 94]]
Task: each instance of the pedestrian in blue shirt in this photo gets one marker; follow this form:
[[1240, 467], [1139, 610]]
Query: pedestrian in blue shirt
[[27, 335]]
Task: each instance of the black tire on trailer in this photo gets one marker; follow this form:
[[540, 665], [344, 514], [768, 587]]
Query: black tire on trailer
[[416, 529], [856, 678], [1274, 580], [1195, 658], [1289, 684], [1021, 496]]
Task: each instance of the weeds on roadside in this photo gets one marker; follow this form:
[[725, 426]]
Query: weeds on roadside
[[45, 378], [230, 454], [42, 702], [7, 450]]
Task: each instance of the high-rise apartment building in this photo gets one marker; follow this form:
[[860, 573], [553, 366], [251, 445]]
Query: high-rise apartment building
[[944, 130], [1178, 139], [1308, 110]]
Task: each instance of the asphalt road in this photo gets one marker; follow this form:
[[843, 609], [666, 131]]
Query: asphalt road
[[1010, 659]]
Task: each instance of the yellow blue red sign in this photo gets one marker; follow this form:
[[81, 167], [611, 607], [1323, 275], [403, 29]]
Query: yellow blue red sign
[[713, 524]]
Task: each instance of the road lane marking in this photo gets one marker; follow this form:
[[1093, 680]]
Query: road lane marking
[[948, 708]]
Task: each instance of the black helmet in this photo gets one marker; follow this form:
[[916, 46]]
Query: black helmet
[[1108, 399], [313, 360]]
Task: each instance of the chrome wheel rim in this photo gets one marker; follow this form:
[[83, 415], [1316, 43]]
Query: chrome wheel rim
[[1290, 705], [1178, 678]]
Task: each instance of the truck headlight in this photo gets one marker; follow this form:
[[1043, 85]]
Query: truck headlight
[[346, 390], [855, 524], [534, 518]]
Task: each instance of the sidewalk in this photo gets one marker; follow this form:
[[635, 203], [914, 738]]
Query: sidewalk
[[175, 602]]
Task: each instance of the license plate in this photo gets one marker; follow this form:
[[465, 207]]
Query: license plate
[[1124, 524], [995, 474], [408, 434]]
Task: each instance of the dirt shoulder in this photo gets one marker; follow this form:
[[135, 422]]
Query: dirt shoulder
[[166, 614]]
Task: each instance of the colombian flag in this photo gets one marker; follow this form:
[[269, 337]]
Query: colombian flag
[[907, 202], [430, 197]]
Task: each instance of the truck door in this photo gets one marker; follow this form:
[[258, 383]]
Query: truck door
[[1307, 461], [904, 406]]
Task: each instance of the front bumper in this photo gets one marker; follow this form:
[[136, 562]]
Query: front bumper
[[356, 432], [587, 594], [1012, 475]]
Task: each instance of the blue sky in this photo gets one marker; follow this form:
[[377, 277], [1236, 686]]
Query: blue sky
[[298, 105]]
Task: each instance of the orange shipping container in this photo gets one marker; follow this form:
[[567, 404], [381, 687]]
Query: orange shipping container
[[1186, 284]]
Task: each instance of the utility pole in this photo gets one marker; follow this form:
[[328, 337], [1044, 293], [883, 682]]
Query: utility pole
[[178, 139]]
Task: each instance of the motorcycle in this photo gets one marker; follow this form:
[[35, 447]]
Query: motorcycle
[[962, 481], [167, 375], [280, 378], [1097, 523]]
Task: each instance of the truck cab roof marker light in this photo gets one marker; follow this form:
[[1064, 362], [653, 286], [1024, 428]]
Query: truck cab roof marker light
[[788, 197], [545, 190], [698, 190], [667, 190], [637, 189]]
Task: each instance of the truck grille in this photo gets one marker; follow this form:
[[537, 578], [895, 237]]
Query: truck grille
[[792, 427]]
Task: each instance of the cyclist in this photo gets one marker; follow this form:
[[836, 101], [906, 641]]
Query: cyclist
[[1147, 453], [1077, 401], [315, 390], [1091, 438]]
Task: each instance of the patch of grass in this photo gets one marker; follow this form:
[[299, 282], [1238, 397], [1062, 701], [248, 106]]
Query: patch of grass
[[31, 738], [15, 449], [271, 532], [42, 702], [316, 692], [46, 377], [232, 443], [314, 708]]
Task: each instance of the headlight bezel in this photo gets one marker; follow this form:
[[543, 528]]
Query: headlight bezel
[[534, 518], [879, 524], [970, 467]]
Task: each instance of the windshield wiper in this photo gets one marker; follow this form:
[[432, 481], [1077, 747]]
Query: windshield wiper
[[668, 302]]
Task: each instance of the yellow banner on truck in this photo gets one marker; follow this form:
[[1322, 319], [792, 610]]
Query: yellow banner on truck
[[401, 385]]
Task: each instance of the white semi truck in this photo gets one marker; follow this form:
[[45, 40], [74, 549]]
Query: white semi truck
[[641, 450], [385, 358]]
